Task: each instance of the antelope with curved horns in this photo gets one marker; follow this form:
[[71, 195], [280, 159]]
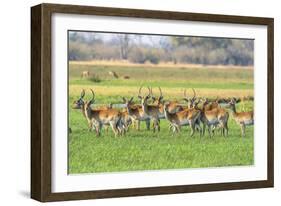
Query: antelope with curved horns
[[188, 116], [213, 118], [243, 119], [189, 100], [136, 113], [98, 117], [152, 111], [207, 106], [79, 104], [173, 106]]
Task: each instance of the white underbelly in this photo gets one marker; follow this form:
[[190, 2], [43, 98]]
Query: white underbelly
[[184, 122], [213, 122]]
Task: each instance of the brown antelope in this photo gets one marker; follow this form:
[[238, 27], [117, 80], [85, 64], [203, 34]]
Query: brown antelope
[[126, 77], [85, 74], [152, 111], [113, 74], [188, 116], [98, 117], [190, 101], [243, 119], [173, 106], [126, 120], [136, 113], [213, 117]]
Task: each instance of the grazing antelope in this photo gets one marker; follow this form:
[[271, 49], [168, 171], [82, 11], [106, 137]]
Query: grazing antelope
[[152, 111], [188, 116], [85, 74], [213, 117], [98, 117], [113, 74], [136, 113], [126, 77], [243, 119]]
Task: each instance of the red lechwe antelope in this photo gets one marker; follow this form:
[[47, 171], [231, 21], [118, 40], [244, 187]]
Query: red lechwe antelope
[[152, 111], [98, 117], [243, 119], [85, 74], [136, 113], [126, 120], [213, 117], [173, 106], [188, 116]]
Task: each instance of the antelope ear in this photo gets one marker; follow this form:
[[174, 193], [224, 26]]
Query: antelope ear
[[131, 99], [124, 99], [185, 99], [91, 102]]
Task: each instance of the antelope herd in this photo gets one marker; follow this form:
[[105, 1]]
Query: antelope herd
[[197, 113]]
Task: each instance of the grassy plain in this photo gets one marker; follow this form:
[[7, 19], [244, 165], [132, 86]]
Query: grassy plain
[[145, 150]]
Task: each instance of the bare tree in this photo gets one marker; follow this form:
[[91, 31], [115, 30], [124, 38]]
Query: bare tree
[[124, 44]]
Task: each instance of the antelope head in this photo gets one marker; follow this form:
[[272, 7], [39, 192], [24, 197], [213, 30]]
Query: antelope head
[[157, 100], [205, 101], [232, 102], [190, 100], [144, 98], [195, 105], [127, 102], [78, 104]]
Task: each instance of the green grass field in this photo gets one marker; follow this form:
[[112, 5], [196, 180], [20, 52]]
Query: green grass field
[[145, 150]]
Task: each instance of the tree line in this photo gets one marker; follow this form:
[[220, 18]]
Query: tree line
[[154, 49]]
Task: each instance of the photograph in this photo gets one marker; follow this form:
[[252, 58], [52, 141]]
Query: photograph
[[144, 102]]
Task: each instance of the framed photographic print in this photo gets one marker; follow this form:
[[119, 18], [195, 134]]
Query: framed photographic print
[[128, 102]]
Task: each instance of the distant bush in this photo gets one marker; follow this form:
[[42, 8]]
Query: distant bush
[[95, 78], [137, 56], [153, 57]]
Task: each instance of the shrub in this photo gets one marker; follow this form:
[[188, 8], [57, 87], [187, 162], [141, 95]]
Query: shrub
[[153, 57], [137, 56]]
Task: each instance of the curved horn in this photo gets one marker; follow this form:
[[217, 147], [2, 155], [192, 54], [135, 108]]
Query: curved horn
[[161, 95], [140, 91], [93, 98], [82, 94], [194, 94], [184, 93], [150, 91]]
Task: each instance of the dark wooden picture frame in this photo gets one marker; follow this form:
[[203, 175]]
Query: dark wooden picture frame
[[41, 95]]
